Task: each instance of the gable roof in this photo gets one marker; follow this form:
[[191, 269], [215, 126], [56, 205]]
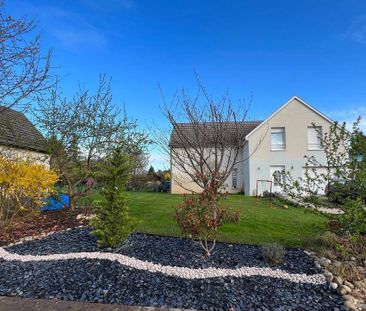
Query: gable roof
[[283, 106], [207, 131], [17, 131]]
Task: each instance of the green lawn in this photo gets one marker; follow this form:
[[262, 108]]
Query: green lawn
[[258, 224]]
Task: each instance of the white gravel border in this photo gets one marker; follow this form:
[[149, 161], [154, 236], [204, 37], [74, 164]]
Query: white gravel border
[[180, 272]]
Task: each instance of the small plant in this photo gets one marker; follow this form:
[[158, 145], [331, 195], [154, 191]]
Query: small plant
[[200, 216], [273, 253], [323, 244], [112, 223]]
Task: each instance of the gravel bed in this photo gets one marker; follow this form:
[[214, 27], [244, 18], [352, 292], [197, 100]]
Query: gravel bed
[[109, 282], [105, 281], [166, 251]]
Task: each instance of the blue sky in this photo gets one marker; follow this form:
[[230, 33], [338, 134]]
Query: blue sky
[[272, 49]]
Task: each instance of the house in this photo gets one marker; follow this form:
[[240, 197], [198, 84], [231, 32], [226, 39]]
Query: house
[[20, 139], [276, 144]]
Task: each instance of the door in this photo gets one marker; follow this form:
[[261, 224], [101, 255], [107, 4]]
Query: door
[[276, 173]]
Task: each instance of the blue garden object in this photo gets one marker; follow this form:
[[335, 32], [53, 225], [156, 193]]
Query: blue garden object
[[56, 204]]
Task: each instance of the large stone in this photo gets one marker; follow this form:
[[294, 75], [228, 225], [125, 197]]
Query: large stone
[[349, 284], [346, 288], [349, 305], [329, 276], [337, 264], [341, 290], [338, 280], [325, 262]]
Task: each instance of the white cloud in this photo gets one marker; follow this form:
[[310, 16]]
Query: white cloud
[[111, 5], [357, 30], [350, 115], [68, 29]]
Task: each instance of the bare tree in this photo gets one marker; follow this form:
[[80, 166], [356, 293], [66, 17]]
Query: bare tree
[[205, 145], [82, 132], [24, 71], [207, 137]]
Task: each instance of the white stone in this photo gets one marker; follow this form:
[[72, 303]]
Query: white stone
[[181, 272], [325, 262], [333, 285]]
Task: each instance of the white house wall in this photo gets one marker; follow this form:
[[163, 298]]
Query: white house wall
[[295, 117], [246, 168], [182, 183], [18, 154]]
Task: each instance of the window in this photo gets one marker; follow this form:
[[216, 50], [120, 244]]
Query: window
[[234, 178], [278, 141], [314, 137]]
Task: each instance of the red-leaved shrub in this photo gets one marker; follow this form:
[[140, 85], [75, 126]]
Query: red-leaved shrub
[[201, 215]]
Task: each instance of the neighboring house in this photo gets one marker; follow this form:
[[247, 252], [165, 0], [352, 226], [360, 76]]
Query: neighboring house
[[20, 139], [286, 137]]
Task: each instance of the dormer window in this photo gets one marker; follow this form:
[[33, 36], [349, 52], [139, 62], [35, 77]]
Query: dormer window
[[278, 138], [314, 138]]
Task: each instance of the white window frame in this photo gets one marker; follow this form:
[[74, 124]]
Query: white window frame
[[315, 145], [278, 146]]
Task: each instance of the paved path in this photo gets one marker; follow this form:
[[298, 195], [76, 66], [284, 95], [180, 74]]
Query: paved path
[[27, 304]]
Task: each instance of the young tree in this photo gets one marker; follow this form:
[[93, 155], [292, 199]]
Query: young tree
[[201, 215], [112, 223], [206, 143], [24, 71], [207, 137], [82, 132], [337, 164], [344, 169]]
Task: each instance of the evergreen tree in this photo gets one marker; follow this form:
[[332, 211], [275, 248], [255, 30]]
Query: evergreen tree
[[112, 223], [151, 170]]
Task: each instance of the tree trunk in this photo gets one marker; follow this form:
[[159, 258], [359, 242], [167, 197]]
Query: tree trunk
[[72, 204], [71, 197]]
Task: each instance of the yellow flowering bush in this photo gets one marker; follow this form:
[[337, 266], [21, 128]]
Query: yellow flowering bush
[[23, 186]]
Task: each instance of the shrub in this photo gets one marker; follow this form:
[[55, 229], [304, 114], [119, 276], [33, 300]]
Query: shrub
[[112, 223], [200, 216], [273, 253], [323, 244], [24, 187], [353, 221]]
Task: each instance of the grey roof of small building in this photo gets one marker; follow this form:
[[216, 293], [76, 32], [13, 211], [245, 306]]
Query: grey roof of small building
[[203, 134], [17, 131]]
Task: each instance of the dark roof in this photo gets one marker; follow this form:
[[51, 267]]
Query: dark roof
[[17, 131], [203, 134]]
